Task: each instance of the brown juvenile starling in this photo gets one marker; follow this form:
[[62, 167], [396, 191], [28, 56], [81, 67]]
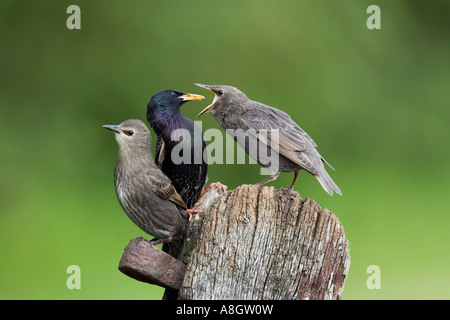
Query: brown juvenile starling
[[296, 150], [143, 190]]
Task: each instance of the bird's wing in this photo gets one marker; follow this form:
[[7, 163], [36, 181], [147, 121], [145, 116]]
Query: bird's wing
[[292, 140], [167, 191], [160, 152]]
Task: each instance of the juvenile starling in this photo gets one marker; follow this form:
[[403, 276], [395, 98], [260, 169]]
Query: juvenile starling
[[233, 110], [144, 192], [180, 145]]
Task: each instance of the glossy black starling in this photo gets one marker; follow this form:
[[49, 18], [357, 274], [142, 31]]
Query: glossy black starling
[[233, 110], [180, 145], [143, 190]]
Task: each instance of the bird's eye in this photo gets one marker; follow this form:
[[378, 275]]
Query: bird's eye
[[220, 92], [173, 94], [129, 132]]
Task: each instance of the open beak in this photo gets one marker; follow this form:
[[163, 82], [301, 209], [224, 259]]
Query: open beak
[[191, 97], [204, 111], [204, 86], [113, 128], [207, 109]]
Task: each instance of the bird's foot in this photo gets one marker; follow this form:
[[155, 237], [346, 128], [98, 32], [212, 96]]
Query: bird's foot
[[155, 241], [269, 179], [193, 210], [216, 185]]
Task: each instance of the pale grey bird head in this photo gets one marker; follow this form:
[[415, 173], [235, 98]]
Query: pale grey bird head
[[223, 97], [132, 136]]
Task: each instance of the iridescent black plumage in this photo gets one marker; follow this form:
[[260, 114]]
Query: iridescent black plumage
[[178, 135]]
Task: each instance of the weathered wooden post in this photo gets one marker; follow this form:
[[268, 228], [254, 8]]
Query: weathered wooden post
[[250, 243]]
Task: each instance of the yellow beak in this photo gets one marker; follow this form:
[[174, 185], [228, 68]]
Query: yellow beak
[[204, 86], [207, 109], [204, 111], [191, 97]]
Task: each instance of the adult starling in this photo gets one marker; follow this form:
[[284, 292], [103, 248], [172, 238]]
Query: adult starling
[[180, 145], [233, 110], [144, 192]]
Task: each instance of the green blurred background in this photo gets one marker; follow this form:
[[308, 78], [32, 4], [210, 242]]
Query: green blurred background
[[375, 101]]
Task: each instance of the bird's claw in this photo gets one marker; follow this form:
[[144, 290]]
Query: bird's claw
[[155, 241], [215, 185], [193, 211]]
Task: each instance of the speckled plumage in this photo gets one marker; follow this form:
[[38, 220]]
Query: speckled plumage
[[144, 192], [297, 151], [163, 114]]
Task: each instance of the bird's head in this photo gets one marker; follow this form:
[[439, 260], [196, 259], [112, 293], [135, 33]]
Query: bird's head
[[223, 97], [164, 103], [132, 136]]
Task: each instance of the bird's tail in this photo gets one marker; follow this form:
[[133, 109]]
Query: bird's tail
[[327, 183]]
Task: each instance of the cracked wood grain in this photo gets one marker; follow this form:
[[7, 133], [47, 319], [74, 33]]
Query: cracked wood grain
[[262, 243]]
